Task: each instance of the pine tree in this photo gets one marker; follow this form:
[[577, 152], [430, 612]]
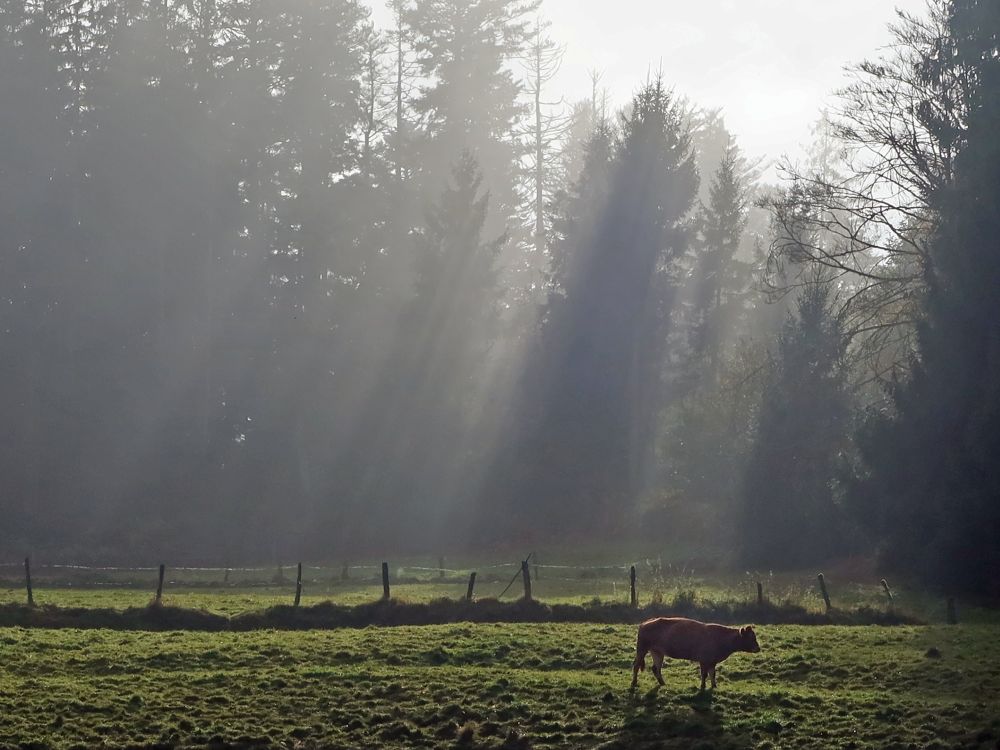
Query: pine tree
[[38, 261], [457, 290], [592, 395], [470, 101], [721, 280], [790, 510], [424, 411]]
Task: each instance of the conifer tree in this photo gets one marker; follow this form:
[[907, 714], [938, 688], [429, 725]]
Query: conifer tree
[[594, 390], [790, 512], [721, 279], [470, 98], [38, 277], [424, 411]]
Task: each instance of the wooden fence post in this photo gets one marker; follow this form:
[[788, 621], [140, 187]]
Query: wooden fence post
[[888, 593], [441, 567], [633, 599], [225, 578], [952, 616], [159, 584], [760, 594], [822, 588], [343, 573], [298, 585], [472, 583], [385, 580], [526, 577], [27, 581]]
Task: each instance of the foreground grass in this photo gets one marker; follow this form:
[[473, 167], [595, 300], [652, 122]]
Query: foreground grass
[[495, 685]]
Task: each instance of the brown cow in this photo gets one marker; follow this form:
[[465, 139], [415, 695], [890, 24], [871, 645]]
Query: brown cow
[[681, 638]]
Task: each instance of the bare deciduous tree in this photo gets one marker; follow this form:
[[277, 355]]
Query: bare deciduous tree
[[868, 221], [542, 60]]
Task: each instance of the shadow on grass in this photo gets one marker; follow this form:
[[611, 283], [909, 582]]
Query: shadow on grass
[[659, 718]]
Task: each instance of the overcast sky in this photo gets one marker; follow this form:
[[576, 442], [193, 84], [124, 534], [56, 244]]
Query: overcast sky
[[771, 65]]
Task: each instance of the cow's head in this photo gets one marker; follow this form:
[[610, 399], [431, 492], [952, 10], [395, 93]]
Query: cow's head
[[748, 640]]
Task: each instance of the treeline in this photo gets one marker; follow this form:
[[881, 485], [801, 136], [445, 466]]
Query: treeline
[[893, 251], [278, 280], [221, 262]]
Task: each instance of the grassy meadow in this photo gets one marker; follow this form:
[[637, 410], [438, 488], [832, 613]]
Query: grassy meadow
[[498, 685], [495, 686]]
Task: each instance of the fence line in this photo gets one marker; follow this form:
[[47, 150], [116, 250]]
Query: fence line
[[188, 568], [373, 567]]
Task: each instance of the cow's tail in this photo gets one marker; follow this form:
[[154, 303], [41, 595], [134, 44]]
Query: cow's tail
[[639, 665]]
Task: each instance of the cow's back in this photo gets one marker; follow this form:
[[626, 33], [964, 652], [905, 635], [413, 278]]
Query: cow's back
[[681, 638]]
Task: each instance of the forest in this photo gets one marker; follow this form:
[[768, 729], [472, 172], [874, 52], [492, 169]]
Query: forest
[[277, 279]]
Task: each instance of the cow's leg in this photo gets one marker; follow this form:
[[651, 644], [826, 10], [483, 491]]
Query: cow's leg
[[704, 674], [639, 664], [658, 667], [713, 676]]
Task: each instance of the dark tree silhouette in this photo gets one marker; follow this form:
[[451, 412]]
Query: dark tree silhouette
[[593, 392], [790, 510], [721, 279], [933, 482]]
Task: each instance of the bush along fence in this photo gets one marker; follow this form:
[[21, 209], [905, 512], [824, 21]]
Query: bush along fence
[[388, 611]]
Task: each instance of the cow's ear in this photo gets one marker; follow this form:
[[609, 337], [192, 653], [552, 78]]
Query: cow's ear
[[743, 630]]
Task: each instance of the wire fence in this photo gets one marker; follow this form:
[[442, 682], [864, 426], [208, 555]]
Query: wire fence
[[420, 578], [647, 580], [57, 573]]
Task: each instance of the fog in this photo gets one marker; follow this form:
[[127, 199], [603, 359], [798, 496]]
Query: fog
[[771, 67], [323, 280]]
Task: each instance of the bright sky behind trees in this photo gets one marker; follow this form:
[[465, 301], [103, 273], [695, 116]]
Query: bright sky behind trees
[[771, 65]]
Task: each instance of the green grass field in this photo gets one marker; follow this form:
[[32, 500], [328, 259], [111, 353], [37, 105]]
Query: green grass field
[[504, 685]]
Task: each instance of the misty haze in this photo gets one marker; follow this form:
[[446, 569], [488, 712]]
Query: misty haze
[[663, 308]]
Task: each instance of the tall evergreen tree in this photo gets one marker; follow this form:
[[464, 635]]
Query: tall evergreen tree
[[414, 452], [593, 392], [151, 228], [38, 268], [791, 513], [470, 100], [721, 279]]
